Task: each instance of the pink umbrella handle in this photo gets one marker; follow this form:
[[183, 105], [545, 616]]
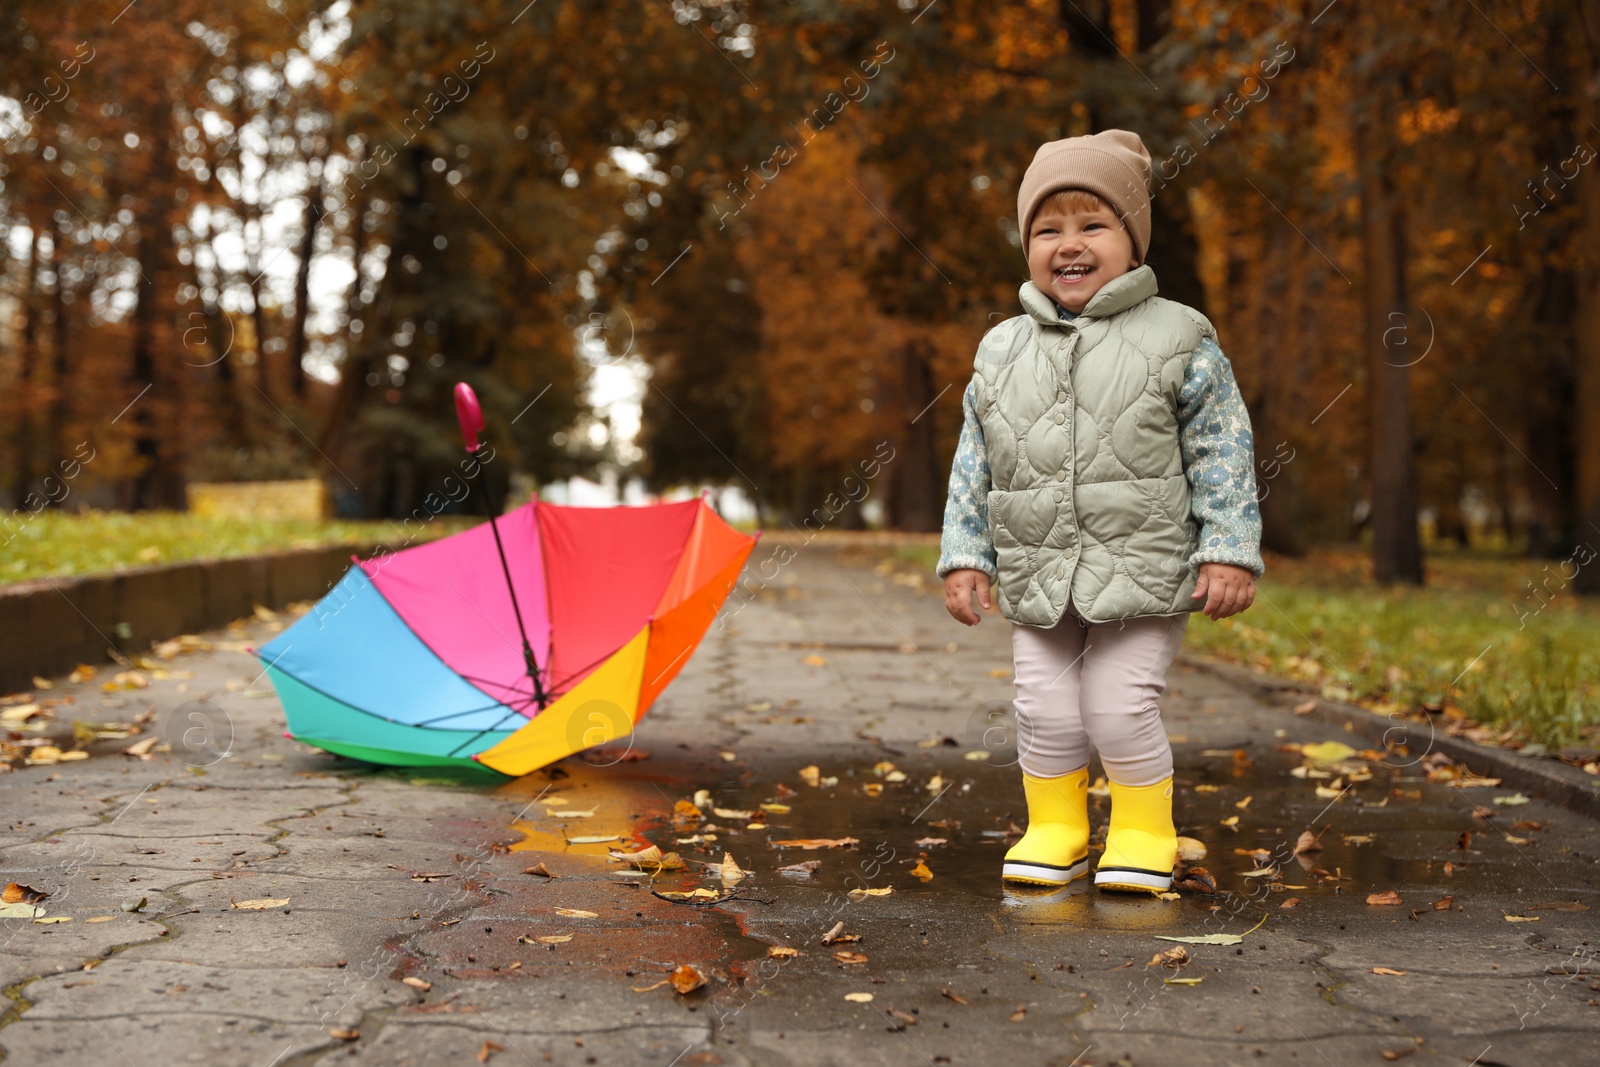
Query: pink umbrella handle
[[469, 414]]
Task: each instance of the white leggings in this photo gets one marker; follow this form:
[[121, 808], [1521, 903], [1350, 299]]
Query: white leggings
[[1081, 684]]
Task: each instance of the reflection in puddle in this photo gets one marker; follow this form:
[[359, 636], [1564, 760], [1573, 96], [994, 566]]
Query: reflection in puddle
[[1393, 831]]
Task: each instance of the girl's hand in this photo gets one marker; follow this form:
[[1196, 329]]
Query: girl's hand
[[958, 589], [1228, 589]]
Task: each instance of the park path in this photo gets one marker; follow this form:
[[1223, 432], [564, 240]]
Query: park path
[[408, 929]]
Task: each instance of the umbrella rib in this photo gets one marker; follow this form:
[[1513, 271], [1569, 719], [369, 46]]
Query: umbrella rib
[[459, 714], [480, 733], [373, 714]]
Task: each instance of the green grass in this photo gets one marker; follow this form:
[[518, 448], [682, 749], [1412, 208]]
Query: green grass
[[1476, 641], [50, 544]]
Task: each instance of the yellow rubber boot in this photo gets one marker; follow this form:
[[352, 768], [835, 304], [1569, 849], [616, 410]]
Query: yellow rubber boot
[[1055, 849], [1142, 843]]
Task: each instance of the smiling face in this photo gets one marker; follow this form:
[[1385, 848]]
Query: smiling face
[[1076, 245]]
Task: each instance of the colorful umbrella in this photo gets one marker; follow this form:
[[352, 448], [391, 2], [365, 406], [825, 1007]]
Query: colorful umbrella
[[418, 657]]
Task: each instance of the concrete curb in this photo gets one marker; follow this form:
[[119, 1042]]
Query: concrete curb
[[1551, 780], [53, 624]]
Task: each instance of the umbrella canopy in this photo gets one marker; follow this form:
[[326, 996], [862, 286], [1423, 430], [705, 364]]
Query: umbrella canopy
[[416, 658]]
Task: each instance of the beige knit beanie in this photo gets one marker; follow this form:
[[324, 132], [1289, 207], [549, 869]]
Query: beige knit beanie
[[1112, 164]]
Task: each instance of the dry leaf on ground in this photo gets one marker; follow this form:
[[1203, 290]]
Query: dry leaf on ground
[[1387, 897], [806, 867], [1327, 752], [846, 956], [16, 893], [417, 983], [1522, 918], [1309, 842], [859, 998], [645, 857], [1172, 957], [686, 978], [259, 904], [921, 871], [1213, 939], [695, 894], [1386, 970], [862, 894], [487, 1049], [1191, 850], [730, 871], [782, 952], [809, 843], [576, 913], [1196, 880]]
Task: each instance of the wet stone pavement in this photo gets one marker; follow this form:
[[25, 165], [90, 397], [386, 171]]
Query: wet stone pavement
[[405, 927]]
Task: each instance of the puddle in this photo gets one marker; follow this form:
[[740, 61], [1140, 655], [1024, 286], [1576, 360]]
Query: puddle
[[1392, 831]]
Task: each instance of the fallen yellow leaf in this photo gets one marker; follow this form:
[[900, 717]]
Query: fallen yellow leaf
[[859, 998], [576, 913], [921, 871], [259, 904], [1327, 752]]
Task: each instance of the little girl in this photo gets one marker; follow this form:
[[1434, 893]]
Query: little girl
[[1105, 484]]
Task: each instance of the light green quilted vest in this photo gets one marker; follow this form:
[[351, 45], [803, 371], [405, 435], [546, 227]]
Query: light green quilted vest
[[1081, 427]]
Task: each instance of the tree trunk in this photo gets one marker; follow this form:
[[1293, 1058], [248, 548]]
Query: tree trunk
[[1278, 327], [916, 500], [28, 359], [59, 369], [1586, 495], [1396, 547], [302, 292]]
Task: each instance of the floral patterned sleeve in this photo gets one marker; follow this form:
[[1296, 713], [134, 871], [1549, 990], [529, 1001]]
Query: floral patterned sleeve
[[1218, 452], [967, 542]]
